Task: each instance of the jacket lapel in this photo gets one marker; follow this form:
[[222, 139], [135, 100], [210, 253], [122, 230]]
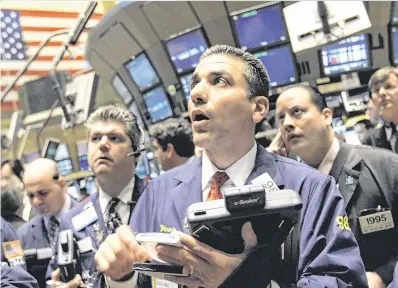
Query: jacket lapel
[[96, 230], [189, 190], [381, 139], [350, 173]]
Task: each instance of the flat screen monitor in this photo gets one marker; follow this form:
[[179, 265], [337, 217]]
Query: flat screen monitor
[[157, 104], [260, 27], [350, 54], [142, 72], [121, 89], [394, 44], [82, 150], [62, 157], [185, 50], [186, 86], [280, 65]]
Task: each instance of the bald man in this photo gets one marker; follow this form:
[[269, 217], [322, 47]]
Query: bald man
[[46, 190]]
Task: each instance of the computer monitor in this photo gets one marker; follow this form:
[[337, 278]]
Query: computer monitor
[[186, 85], [121, 89], [280, 65], [157, 104], [82, 149], [259, 27], [394, 44], [62, 157], [185, 50], [142, 72], [349, 54]]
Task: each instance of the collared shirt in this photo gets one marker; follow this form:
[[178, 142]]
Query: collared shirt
[[327, 162], [123, 207], [238, 172], [391, 137], [65, 209]]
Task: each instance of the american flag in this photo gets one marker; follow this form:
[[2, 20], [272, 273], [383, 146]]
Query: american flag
[[24, 28]]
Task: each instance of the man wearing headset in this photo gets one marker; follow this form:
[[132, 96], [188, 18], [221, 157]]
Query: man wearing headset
[[113, 148]]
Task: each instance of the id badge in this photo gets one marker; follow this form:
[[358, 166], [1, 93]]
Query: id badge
[[161, 283], [84, 218], [376, 222]]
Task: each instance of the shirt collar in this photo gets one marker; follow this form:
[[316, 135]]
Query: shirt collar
[[389, 131], [238, 172], [327, 162], [124, 196]]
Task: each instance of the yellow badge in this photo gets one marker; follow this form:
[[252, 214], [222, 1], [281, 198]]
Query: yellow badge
[[343, 223], [164, 228]]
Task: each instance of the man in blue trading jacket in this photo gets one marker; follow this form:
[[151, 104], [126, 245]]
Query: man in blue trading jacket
[[47, 192], [113, 149], [229, 96], [7, 234], [367, 176]]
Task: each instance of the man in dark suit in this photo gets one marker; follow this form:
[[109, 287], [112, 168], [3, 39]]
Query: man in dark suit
[[113, 150], [367, 177], [229, 96], [383, 86]]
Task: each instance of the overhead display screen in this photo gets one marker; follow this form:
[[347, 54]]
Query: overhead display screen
[[82, 150], [394, 44], [185, 50], [186, 85], [350, 54], [121, 89], [142, 72], [260, 27], [280, 65], [157, 104], [394, 9]]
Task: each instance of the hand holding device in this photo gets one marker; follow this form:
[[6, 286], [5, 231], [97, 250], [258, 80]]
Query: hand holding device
[[68, 256], [117, 254]]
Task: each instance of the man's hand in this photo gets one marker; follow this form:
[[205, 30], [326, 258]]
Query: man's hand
[[74, 283], [374, 280], [277, 146], [116, 255], [209, 267]]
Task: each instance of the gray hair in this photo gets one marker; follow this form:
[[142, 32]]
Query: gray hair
[[380, 76], [256, 74], [118, 114]]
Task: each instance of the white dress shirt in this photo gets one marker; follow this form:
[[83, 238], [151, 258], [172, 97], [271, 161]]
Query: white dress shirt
[[391, 137], [65, 209], [238, 172], [327, 162], [123, 207]]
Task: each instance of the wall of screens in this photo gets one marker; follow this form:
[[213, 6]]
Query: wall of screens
[[157, 104], [280, 65], [121, 89], [260, 27], [350, 54], [142, 72], [185, 50]]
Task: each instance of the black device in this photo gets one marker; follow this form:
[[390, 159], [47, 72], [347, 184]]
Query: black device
[[37, 261], [272, 213], [156, 268], [68, 256]]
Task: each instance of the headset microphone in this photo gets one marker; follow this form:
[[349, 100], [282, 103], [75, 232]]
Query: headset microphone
[[141, 146]]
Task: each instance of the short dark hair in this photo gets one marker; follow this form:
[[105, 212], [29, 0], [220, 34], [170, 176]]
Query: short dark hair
[[317, 98], [10, 201], [16, 167], [175, 131], [380, 76], [256, 74]]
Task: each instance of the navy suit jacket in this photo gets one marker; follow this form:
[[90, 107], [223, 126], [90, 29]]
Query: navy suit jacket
[[329, 254], [87, 259], [16, 276], [32, 233]]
